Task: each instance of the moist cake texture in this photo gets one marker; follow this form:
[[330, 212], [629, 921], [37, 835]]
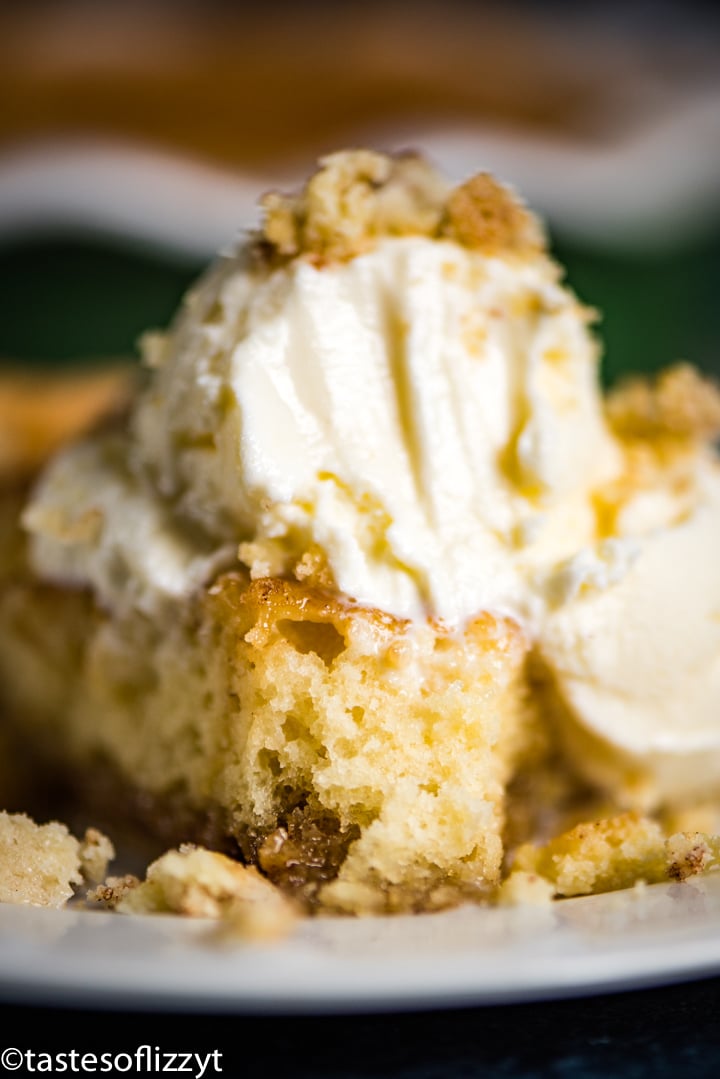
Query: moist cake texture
[[371, 562], [360, 761]]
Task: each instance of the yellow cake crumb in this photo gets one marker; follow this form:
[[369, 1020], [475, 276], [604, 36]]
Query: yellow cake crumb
[[358, 196], [521, 888], [618, 852], [96, 852], [111, 891], [679, 403], [484, 215], [201, 883], [354, 197], [599, 856], [39, 863], [689, 854]]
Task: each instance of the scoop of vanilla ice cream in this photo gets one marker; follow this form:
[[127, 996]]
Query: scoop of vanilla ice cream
[[419, 408], [94, 522], [632, 636], [426, 415]]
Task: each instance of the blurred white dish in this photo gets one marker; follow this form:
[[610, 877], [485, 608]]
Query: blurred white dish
[[650, 185], [619, 941]]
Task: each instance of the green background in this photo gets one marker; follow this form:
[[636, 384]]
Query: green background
[[80, 299]]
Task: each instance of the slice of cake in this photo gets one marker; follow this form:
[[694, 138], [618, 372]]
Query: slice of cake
[[369, 552], [359, 759]]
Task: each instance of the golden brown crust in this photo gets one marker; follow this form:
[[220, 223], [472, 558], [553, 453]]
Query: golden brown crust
[[321, 621], [260, 606]]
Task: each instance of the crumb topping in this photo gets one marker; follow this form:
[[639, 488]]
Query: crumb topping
[[113, 889], [485, 216], [96, 853], [358, 196], [521, 888], [272, 558], [680, 403], [598, 856], [606, 855], [200, 883], [691, 853]]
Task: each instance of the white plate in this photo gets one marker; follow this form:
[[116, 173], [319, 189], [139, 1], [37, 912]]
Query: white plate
[[653, 185], [619, 941]]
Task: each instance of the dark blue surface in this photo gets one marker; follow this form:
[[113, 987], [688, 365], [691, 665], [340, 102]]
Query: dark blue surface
[[668, 1033]]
